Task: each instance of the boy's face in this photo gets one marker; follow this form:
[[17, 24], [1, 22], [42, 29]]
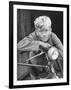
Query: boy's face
[[43, 33]]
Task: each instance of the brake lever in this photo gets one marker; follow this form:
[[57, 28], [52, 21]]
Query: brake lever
[[34, 56]]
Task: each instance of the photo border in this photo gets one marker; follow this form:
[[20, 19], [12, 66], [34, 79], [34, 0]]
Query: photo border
[[11, 3]]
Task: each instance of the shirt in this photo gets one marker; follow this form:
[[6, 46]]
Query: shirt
[[31, 43]]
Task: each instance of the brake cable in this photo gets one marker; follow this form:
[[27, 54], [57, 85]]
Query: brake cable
[[33, 65]]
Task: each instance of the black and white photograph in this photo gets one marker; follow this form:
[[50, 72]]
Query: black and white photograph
[[39, 39]]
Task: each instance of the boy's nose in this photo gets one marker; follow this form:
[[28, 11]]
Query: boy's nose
[[44, 35]]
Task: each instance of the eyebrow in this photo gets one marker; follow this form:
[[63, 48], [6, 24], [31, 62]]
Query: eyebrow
[[44, 30]]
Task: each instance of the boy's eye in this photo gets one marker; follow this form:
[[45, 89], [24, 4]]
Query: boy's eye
[[43, 30], [46, 30]]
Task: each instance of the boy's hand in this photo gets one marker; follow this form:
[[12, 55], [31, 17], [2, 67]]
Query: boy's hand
[[45, 45]]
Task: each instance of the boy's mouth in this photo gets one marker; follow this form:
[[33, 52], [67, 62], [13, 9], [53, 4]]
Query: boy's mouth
[[44, 39]]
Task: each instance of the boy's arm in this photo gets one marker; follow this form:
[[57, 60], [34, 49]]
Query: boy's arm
[[58, 44], [28, 43]]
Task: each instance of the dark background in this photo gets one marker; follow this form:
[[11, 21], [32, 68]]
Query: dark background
[[25, 25]]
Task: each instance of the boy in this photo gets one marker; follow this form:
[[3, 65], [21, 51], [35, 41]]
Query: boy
[[41, 38]]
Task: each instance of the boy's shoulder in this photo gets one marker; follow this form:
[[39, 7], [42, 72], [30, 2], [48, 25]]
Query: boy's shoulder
[[33, 35], [53, 35]]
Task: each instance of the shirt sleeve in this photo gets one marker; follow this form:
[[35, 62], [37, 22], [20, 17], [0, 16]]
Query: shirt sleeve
[[57, 43], [28, 43]]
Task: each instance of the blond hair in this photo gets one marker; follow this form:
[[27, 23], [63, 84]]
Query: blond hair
[[42, 21]]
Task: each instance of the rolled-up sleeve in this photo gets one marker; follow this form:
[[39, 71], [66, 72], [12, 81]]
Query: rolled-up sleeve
[[28, 44]]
